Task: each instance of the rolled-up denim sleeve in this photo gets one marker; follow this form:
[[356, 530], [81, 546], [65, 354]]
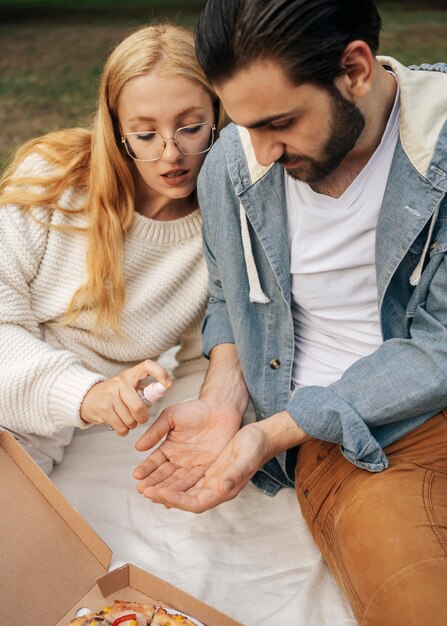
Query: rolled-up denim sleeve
[[404, 378], [325, 414], [216, 326]]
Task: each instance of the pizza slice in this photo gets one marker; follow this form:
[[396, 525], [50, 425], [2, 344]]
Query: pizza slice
[[120, 613], [123, 613], [163, 618]]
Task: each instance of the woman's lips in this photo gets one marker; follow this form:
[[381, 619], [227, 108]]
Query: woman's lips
[[175, 177]]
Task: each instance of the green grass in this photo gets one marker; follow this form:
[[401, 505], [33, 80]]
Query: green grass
[[50, 70], [19, 7], [50, 65], [414, 36]]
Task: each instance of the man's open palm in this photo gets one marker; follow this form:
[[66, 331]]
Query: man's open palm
[[196, 433], [226, 477]]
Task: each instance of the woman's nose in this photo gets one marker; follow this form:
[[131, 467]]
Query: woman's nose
[[171, 152]]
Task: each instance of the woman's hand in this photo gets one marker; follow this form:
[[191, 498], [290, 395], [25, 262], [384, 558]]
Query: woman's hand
[[116, 403]]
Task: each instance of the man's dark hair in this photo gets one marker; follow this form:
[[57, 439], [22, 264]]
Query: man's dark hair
[[307, 37]]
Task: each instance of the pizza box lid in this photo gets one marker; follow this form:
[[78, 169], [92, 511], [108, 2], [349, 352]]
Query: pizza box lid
[[50, 556], [132, 583], [52, 561]]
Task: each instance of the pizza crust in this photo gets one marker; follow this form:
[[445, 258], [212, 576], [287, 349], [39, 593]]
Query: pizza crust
[[163, 618]]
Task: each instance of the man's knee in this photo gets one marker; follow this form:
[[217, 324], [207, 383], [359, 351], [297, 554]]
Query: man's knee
[[389, 537], [414, 596]]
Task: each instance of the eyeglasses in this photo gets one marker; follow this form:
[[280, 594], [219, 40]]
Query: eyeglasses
[[190, 140]]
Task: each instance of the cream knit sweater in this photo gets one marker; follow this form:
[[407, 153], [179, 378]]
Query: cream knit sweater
[[46, 370]]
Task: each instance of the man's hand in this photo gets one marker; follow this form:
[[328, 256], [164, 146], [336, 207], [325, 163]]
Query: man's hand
[[225, 478], [116, 403], [196, 433], [249, 449]]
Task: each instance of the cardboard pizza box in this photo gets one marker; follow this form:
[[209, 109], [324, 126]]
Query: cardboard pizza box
[[52, 562]]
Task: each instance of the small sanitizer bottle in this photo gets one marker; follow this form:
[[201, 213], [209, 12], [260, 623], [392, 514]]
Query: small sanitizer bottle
[[151, 393]]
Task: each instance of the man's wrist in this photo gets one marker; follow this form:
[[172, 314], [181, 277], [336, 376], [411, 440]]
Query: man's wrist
[[281, 433], [224, 383]]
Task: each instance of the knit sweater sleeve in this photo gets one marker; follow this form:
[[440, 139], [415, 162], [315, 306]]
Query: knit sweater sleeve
[[41, 387]]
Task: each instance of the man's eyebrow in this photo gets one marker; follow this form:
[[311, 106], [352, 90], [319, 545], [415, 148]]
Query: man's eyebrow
[[147, 118], [268, 120]]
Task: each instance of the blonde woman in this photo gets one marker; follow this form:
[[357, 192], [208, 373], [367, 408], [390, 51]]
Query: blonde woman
[[101, 267]]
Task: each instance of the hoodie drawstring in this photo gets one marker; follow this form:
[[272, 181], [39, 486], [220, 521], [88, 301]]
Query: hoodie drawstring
[[256, 293]]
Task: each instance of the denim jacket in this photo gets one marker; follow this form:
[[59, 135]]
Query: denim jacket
[[404, 382]]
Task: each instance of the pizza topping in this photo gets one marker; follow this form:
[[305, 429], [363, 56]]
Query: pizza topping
[[163, 618], [124, 613], [126, 618]]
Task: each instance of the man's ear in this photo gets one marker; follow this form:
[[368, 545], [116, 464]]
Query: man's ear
[[358, 65]]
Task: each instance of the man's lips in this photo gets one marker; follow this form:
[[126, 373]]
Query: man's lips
[[290, 165], [291, 161], [175, 177]]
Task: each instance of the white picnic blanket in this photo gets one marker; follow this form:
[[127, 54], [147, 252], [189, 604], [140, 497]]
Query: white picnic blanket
[[252, 558]]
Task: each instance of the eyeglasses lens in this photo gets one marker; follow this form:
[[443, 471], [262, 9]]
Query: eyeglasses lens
[[190, 140]]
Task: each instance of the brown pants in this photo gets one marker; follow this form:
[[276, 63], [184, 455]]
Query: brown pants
[[383, 535]]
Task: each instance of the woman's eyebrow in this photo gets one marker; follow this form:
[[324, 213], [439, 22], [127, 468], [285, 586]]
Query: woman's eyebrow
[[147, 118]]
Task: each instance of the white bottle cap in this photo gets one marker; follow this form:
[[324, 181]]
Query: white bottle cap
[[154, 391]]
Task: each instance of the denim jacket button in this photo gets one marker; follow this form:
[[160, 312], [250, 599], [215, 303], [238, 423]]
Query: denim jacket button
[[275, 364]]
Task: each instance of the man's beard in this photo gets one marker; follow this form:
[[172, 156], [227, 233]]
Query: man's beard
[[347, 126]]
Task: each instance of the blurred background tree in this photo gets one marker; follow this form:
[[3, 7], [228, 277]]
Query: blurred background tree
[[53, 51]]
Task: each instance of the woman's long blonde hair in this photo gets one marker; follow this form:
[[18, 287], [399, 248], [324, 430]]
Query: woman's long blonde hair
[[95, 163]]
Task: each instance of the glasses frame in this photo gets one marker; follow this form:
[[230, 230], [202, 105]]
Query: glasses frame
[[166, 139]]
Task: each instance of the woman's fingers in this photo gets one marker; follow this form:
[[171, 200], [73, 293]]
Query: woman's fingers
[[114, 421], [148, 368], [134, 406], [116, 402]]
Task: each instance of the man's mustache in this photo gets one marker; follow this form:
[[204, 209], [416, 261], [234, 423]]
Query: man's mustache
[[286, 159]]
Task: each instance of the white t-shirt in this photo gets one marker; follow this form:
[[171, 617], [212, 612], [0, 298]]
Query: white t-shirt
[[332, 265]]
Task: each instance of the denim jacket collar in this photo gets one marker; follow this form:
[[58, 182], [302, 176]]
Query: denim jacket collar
[[267, 214]]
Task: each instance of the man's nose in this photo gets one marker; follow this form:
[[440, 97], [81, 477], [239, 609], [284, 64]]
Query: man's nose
[[267, 149]]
